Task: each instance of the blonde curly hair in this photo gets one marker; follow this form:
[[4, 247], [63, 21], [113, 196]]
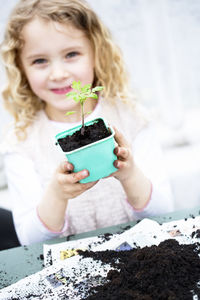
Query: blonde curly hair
[[109, 69]]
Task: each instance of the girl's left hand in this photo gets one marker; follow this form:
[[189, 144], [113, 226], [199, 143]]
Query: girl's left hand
[[136, 185], [125, 161]]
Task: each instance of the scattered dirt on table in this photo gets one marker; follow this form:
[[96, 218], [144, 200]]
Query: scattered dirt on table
[[166, 272]]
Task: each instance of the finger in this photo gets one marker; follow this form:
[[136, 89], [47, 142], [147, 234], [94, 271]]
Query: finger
[[121, 152], [76, 177], [79, 188], [82, 187], [120, 164], [66, 178], [120, 139], [65, 166]]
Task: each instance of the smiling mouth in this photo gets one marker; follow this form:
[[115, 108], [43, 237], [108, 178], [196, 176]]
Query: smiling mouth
[[62, 91]]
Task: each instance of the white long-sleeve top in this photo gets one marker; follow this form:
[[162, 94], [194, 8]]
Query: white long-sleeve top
[[29, 166]]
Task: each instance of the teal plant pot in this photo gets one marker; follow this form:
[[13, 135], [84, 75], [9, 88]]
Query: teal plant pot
[[97, 157]]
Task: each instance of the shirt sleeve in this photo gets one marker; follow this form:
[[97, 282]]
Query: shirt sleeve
[[25, 191], [149, 157]]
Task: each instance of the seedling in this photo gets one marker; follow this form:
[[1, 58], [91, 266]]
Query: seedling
[[80, 94]]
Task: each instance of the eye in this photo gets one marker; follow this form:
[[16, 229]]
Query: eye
[[71, 54], [39, 61]]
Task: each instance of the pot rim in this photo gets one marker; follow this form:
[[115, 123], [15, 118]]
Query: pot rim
[[91, 144]]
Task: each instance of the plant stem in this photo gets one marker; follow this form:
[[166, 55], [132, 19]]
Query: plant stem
[[82, 116]]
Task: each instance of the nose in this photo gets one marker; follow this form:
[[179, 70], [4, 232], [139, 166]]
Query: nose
[[58, 72]]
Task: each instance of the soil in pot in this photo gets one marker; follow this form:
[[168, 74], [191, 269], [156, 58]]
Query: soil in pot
[[93, 133]]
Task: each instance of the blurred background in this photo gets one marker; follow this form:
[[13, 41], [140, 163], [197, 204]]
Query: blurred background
[[161, 46]]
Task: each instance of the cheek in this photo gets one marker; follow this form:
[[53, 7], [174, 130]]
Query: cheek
[[87, 74], [86, 69], [91, 71], [35, 80]]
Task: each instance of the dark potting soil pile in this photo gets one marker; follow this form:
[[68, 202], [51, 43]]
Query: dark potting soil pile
[[166, 272], [92, 133]]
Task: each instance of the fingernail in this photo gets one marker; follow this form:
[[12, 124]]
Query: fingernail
[[85, 173], [69, 166], [116, 164]]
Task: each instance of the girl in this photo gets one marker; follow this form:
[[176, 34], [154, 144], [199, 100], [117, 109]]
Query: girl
[[48, 45]]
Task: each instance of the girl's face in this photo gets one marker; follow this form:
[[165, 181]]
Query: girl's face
[[53, 56]]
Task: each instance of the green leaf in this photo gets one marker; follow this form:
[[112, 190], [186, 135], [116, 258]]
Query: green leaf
[[93, 95], [76, 85], [97, 88], [71, 94], [80, 94], [86, 88], [77, 98], [83, 96], [70, 113]]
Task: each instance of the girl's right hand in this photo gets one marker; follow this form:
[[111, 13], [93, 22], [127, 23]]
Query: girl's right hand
[[64, 185], [66, 182]]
